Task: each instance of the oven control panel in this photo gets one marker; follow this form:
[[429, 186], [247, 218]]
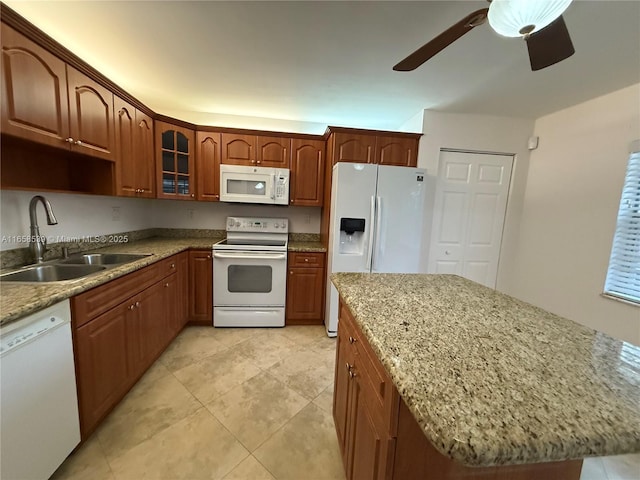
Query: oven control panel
[[257, 224]]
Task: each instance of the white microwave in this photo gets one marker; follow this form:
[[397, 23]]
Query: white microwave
[[242, 184]]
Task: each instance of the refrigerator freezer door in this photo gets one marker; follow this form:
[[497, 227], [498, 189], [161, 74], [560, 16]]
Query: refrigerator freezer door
[[352, 187], [400, 212]]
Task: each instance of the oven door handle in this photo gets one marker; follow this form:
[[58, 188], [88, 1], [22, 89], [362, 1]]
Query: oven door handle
[[253, 256]]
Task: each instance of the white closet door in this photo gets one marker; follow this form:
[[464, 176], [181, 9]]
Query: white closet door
[[470, 205]]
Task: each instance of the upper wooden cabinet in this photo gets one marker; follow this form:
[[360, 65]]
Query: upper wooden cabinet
[[34, 91], [208, 150], [265, 151], [90, 116], [273, 152], [384, 148], [401, 151], [175, 161], [353, 147], [135, 166], [46, 101], [307, 172]]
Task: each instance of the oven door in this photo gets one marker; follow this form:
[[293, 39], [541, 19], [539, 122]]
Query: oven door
[[251, 279]]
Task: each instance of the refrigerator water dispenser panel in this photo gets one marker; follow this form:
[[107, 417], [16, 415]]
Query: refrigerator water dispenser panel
[[351, 236]]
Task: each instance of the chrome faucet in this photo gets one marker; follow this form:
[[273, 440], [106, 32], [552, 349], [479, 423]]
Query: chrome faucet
[[37, 244]]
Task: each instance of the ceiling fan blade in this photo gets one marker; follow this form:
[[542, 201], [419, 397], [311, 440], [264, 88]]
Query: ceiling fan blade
[[550, 45], [442, 41]]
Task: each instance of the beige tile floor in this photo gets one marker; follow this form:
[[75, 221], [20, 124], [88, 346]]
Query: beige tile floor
[[238, 404]]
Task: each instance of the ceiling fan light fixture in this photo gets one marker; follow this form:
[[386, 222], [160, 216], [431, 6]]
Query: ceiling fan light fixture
[[517, 18]]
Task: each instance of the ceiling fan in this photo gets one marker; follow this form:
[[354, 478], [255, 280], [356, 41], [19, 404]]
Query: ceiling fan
[[539, 22]]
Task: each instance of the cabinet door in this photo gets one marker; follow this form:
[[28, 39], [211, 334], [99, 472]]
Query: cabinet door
[[342, 388], [307, 172], [171, 305], [102, 364], [208, 165], [34, 91], [175, 161], [125, 130], [366, 440], [90, 116], [183, 289], [304, 295], [149, 326], [273, 152], [201, 287], [144, 159], [238, 149], [353, 147], [400, 151]]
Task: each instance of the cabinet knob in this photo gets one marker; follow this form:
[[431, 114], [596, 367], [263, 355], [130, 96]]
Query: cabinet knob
[[290, 272], [69, 140], [352, 374], [142, 190], [306, 259], [166, 285], [78, 142], [137, 304], [352, 340], [130, 307], [209, 257], [258, 162], [173, 265], [349, 367], [193, 195]]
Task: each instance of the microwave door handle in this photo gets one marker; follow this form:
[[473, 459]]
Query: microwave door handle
[[273, 186]]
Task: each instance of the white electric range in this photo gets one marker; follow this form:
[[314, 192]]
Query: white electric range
[[250, 273]]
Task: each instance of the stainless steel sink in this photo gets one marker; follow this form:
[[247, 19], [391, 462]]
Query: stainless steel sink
[[102, 258], [51, 273]]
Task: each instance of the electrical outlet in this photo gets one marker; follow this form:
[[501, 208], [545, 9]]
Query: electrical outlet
[[115, 213]]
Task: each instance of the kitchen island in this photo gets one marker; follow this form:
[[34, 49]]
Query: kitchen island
[[482, 385]]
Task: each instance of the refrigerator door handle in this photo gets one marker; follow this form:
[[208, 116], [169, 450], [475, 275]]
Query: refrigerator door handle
[[376, 254], [371, 229]]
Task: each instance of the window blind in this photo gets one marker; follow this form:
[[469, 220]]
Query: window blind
[[623, 275]]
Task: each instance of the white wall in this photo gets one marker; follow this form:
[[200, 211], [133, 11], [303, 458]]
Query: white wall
[[90, 215], [205, 215], [569, 213], [482, 133], [77, 215]]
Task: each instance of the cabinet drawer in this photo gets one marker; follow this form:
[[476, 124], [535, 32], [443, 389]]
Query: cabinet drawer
[[96, 301], [306, 260], [167, 266]]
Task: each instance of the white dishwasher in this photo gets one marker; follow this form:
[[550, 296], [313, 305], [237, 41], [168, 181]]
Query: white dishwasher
[[39, 423]]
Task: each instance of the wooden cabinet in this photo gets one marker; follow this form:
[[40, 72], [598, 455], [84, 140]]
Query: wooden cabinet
[[307, 172], [120, 328], [34, 91], [305, 289], [175, 161], [48, 102], [91, 127], [364, 407], [353, 147], [182, 301], [208, 153], [200, 287], [102, 365], [135, 163], [384, 148], [253, 150]]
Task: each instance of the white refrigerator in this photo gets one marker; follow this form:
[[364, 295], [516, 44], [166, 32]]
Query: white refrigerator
[[375, 224]]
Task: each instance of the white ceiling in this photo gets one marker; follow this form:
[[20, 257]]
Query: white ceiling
[[306, 64]]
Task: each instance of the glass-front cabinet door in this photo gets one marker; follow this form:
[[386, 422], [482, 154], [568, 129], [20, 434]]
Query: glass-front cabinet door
[[175, 161]]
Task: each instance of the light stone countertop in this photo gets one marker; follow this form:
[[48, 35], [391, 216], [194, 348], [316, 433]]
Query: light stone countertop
[[493, 380], [20, 299], [296, 246]]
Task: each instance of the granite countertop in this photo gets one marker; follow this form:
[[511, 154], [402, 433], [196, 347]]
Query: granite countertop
[[20, 299], [493, 380], [297, 246]]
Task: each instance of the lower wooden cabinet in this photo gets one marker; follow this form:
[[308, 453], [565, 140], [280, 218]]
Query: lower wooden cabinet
[[200, 287], [120, 328], [305, 289]]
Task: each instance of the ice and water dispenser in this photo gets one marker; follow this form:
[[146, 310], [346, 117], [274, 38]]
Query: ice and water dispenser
[[352, 239]]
